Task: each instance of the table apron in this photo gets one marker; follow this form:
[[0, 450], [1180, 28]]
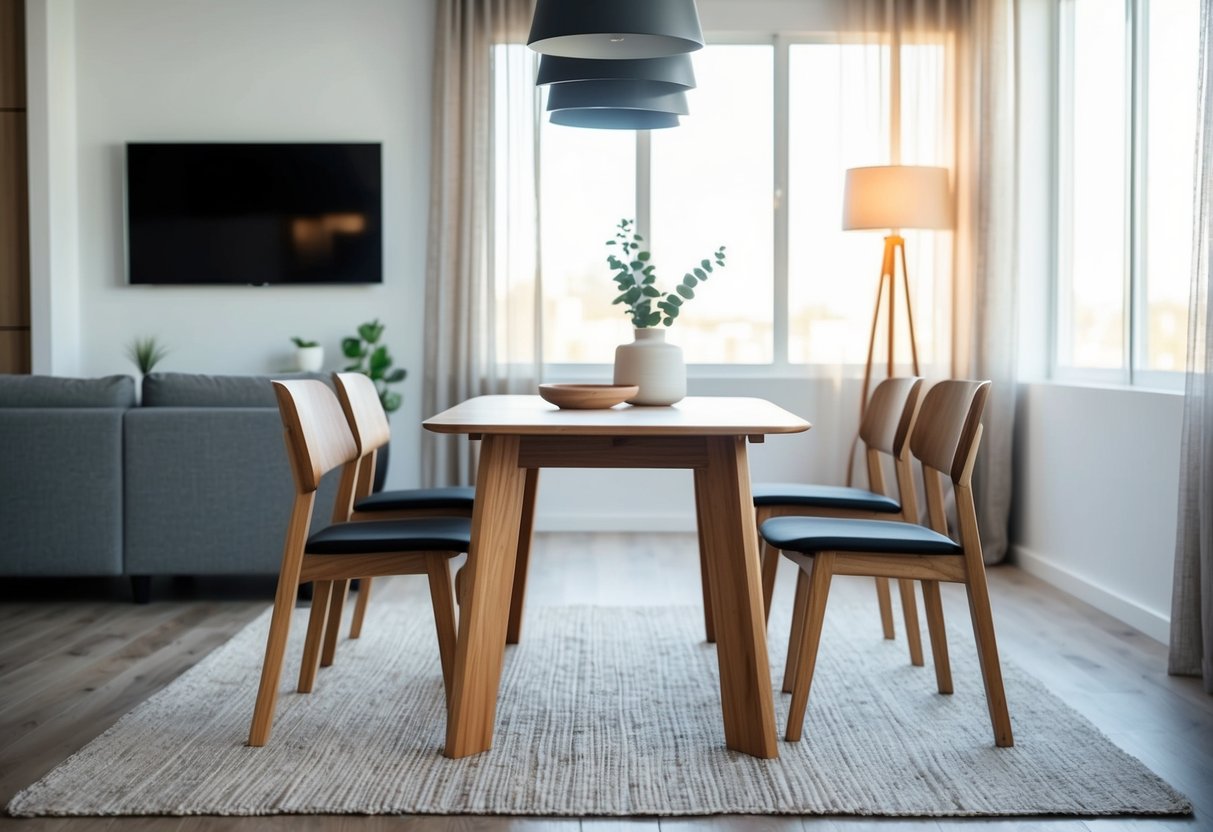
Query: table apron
[[613, 452]]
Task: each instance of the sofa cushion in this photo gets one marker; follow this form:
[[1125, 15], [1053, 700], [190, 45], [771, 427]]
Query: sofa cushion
[[196, 390], [54, 391]]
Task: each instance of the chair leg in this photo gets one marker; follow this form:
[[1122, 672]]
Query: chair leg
[[885, 600], [939, 635], [438, 567], [313, 645], [909, 611], [770, 566], [798, 607], [332, 630], [522, 557], [987, 654], [810, 639], [364, 598]]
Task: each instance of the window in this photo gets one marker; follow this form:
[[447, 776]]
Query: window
[[758, 166], [1127, 106]]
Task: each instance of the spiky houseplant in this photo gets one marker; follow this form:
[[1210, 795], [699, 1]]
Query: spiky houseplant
[[636, 277], [373, 360], [146, 353]]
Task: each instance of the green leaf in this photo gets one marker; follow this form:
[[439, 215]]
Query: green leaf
[[632, 295], [395, 376], [353, 368], [352, 348], [689, 281], [686, 291], [651, 292], [370, 332], [668, 321], [644, 255], [638, 238], [610, 242], [380, 361], [674, 300], [705, 264], [653, 319], [699, 273], [391, 401]]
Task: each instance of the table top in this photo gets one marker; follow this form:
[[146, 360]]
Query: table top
[[693, 416]]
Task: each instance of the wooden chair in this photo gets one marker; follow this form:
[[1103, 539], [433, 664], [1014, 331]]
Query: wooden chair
[[318, 439], [369, 422], [945, 442], [885, 430]]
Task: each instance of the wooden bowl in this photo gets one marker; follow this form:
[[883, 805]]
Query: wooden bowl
[[587, 396]]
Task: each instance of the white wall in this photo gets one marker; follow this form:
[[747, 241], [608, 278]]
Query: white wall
[[244, 70], [1097, 496]]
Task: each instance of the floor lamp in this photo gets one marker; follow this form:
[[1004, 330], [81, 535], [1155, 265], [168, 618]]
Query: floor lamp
[[894, 197]]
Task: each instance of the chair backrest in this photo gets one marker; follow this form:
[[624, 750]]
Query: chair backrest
[[946, 442], [363, 411], [949, 427], [889, 415], [318, 438]]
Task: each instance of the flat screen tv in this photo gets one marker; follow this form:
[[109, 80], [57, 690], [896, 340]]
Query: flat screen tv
[[254, 213]]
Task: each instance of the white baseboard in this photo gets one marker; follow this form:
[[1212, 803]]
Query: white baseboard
[[1154, 624], [613, 522]]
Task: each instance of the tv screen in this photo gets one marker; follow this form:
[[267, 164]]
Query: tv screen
[[254, 213]]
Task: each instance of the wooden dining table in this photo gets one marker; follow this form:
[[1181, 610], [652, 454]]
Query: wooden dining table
[[709, 435]]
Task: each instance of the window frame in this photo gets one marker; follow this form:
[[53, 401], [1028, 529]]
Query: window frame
[[1134, 370], [780, 366]]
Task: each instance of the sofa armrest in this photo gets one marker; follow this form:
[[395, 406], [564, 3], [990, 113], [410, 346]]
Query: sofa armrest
[[209, 491], [60, 491]]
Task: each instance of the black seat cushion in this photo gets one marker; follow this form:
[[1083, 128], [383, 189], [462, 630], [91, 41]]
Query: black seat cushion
[[831, 534], [440, 534], [822, 496], [459, 496]]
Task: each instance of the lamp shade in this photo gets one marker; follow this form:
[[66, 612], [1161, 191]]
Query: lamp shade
[[615, 28], [606, 118], [617, 95], [675, 71], [896, 196]]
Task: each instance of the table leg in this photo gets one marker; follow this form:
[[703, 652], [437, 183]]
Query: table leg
[[485, 604], [730, 540], [526, 533]]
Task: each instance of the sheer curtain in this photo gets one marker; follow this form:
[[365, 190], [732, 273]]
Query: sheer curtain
[[1192, 598], [949, 72], [483, 165]]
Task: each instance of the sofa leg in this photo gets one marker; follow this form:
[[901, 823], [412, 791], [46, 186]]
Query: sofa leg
[[141, 588]]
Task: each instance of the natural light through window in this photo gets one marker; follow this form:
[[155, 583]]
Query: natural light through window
[[712, 185]]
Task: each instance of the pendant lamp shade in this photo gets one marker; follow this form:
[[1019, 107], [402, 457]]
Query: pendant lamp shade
[[617, 95], [675, 71], [605, 118], [615, 29]]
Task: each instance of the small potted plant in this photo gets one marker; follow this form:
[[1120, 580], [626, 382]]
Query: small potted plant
[[649, 362], [146, 353], [309, 355], [373, 359]]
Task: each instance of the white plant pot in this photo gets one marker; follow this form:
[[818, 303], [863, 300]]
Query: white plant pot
[[654, 365], [309, 359]]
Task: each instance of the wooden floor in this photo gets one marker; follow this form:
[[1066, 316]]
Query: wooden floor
[[75, 658]]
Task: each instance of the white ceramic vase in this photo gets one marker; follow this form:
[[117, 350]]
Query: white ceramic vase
[[310, 359], [654, 365]]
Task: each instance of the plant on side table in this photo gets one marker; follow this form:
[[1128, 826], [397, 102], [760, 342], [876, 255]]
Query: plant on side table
[[649, 362], [372, 359], [309, 355]]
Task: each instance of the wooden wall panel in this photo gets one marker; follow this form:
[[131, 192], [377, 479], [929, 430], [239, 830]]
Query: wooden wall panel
[[14, 226], [12, 54], [14, 351]]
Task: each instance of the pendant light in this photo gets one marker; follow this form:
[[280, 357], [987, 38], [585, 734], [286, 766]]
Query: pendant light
[[675, 71], [615, 29], [617, 95], [605, 118]]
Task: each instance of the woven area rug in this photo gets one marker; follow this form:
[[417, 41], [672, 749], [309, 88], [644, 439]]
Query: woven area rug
[[603, 711]]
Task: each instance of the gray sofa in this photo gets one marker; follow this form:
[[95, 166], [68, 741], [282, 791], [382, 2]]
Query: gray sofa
[[194, 481]]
